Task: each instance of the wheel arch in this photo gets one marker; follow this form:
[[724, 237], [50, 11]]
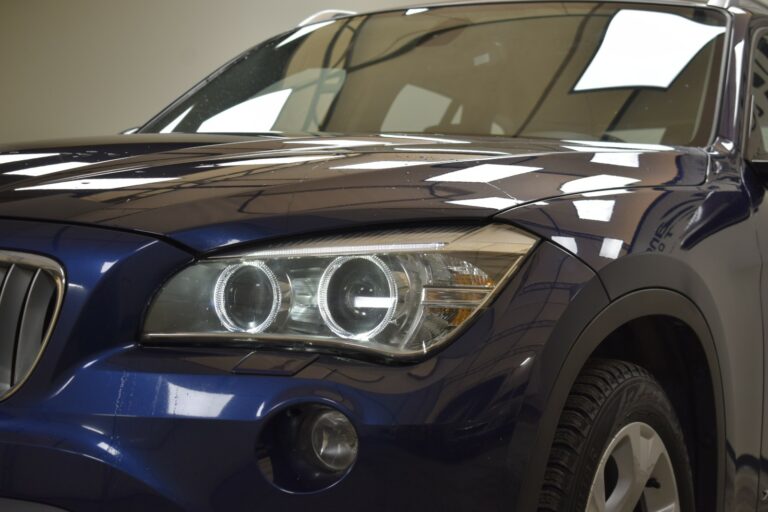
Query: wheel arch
[[628, 308]]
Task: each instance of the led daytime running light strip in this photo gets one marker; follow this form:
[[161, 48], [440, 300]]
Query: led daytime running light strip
[[358, 249]]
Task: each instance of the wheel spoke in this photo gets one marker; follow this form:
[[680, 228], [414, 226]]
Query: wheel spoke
[[597, 493], [669, 507], [636, 456], [646, 449], [639, 455]]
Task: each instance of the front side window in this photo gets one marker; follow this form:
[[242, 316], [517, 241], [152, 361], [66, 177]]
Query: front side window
[[759, 137], [588, 71]]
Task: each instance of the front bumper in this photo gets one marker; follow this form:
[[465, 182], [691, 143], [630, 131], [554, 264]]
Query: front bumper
[[104, 423]]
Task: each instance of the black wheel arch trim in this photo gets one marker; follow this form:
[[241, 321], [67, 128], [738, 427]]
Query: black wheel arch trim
[[631, 306]]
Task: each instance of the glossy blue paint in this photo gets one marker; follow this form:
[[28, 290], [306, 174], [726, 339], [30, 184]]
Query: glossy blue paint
[[332, 189], [163, 428], [107, 423]]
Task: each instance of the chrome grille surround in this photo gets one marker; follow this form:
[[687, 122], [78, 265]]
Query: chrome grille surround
[[31, 295]]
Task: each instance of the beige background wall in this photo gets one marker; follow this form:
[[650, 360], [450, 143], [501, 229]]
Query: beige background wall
[[89, 67]]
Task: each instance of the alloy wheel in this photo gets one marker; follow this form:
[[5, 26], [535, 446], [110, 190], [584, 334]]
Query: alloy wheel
[[635, 474]]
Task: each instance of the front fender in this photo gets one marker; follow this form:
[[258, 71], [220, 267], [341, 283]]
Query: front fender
[[696, 242]]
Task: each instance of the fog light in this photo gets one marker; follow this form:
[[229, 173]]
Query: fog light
[[307, 448], [333, 440]]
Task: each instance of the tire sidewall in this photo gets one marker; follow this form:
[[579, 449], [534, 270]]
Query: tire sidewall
[[636, 400]]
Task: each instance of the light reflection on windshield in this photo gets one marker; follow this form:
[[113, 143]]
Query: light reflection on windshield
[[602, 72], [255, 115], [627, 57]]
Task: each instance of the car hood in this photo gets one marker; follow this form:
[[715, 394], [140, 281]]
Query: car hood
[[210, 191]]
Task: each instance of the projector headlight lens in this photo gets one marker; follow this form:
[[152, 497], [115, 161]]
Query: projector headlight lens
[[357, 296], [247, 297], [394, 293]]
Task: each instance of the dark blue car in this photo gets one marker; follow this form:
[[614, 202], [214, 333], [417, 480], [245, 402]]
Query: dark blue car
[[479, 256]]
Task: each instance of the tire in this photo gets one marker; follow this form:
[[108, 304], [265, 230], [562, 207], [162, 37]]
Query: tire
[[616, 419]]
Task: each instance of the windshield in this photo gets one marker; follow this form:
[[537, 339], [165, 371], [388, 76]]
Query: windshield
[[587, 71]]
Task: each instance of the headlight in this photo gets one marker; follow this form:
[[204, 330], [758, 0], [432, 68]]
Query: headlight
[[394, 293]]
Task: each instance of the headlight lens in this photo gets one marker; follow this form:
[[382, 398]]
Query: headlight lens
[[357, 296], [394, 293], [247, 297]]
